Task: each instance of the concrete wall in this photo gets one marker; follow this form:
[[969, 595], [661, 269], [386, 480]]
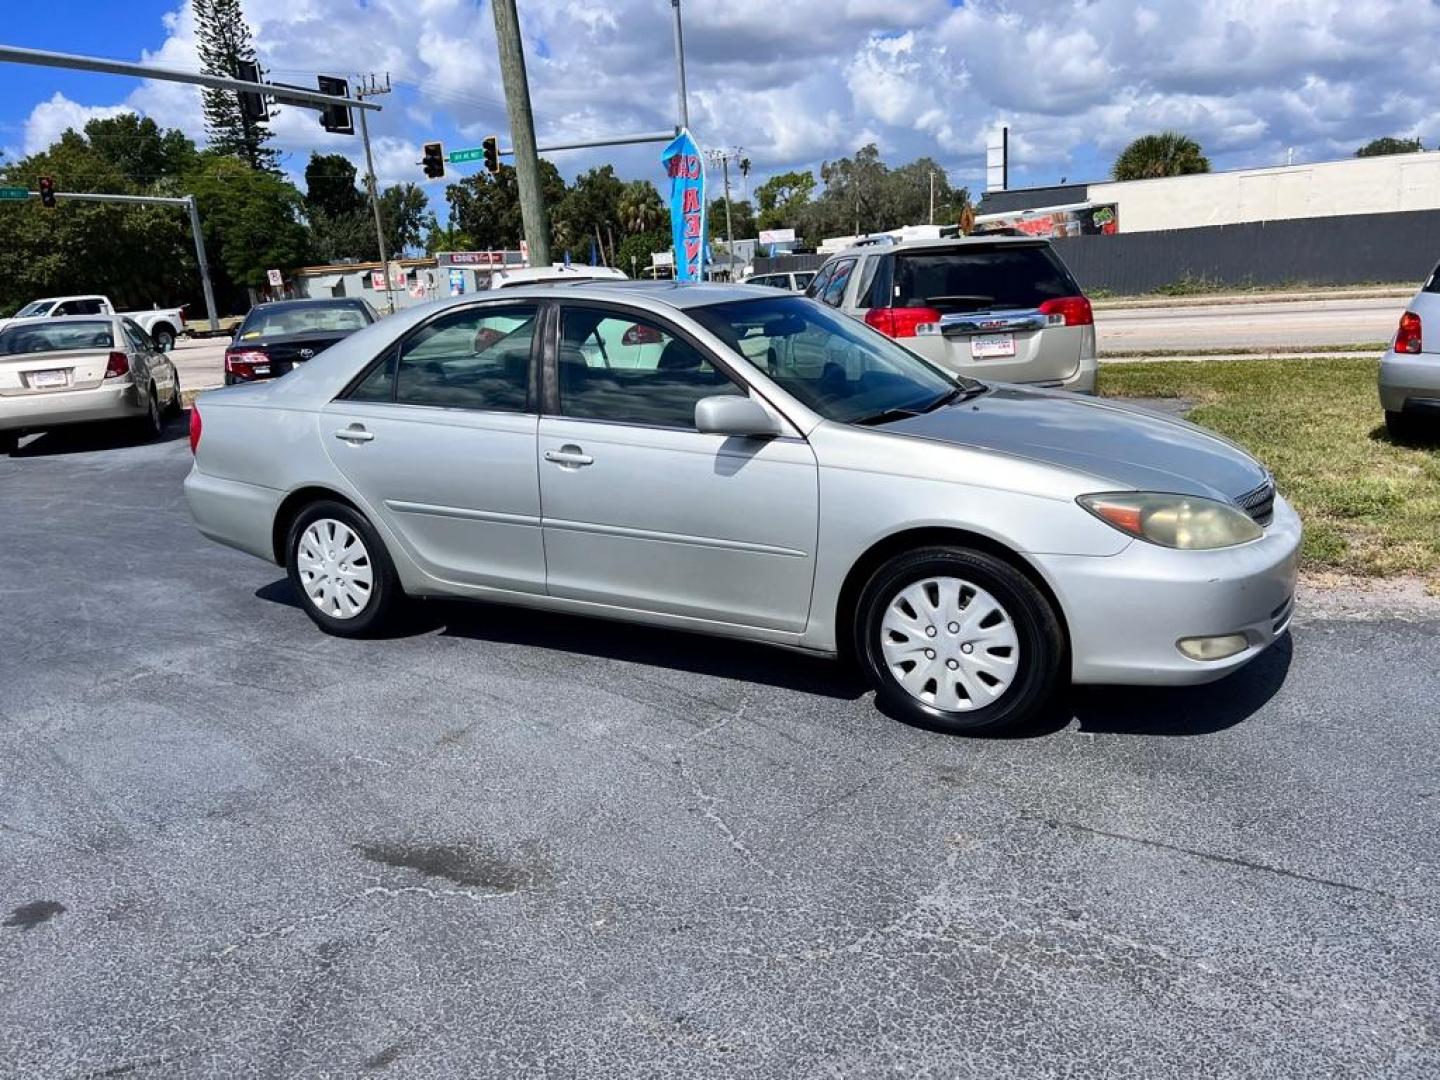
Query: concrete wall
[[1374, 185]]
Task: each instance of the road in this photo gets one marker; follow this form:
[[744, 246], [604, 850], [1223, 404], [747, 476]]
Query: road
[[1247, 325], [509, 845]]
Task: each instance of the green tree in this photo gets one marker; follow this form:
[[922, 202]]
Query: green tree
[[1168, 153], [906, 192], [486, 209], [590, 211], [742, 219], [1388, 145], [641, 209], [403, 209], [783, 199], [252, 218], [639, 246], [330, 185], [223, 40], [147, 158]]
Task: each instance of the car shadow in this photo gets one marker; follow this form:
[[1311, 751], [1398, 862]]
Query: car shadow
[[88, 438], [1111, 710], [1421, 440]]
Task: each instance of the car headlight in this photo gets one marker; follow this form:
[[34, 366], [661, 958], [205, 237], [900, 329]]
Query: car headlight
[[1174, 521]]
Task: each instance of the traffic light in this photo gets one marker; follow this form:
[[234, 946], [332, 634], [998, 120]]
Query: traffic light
[[336, 118], [433, 160], [491, 146], [47, 193], [252, 103]]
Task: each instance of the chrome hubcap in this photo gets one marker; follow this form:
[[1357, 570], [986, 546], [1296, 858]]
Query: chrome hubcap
[[950, 644], [334, 568]]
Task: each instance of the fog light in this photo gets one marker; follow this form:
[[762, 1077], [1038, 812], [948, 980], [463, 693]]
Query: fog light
[[1213, 648]]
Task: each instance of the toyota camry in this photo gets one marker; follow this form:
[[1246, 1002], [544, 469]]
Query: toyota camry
[[735, 461]]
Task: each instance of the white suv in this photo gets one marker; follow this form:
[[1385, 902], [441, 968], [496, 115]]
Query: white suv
[[997, 307]]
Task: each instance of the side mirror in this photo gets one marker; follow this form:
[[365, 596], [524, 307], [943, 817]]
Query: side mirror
[[731, 414]]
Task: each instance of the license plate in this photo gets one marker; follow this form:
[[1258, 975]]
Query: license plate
[[988, 345], [39, 379]]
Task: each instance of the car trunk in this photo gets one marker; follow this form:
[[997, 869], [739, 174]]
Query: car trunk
[[50, 372], [989, 299], [288, 352]]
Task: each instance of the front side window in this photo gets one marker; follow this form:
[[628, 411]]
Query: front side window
[[79, 307], [802, 281], [837, 366], [34, 309], [478, 358], [617, 367], [818, 283]]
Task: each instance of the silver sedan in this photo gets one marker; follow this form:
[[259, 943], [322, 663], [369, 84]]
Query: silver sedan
[[734, 461]]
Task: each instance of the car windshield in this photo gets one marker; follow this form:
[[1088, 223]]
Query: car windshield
[[56, 336], [278, 321], [35, 307], [837, 366]]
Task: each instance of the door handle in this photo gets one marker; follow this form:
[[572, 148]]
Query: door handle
[[355, 434], [569, 457]]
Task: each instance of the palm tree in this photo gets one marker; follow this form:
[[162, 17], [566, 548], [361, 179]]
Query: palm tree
[[1167, 154], [640, 208]]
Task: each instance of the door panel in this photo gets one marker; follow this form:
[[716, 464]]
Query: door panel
[[438, 442], [681, 522], [642, 511]]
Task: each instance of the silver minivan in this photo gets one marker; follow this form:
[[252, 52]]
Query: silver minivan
[[994, 307], [1410, 368]]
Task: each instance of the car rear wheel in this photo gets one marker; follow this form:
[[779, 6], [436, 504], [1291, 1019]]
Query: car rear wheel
[[152, 424], [9, 442], [164, 339], [958, 640], [177, 402], [341, 570], [1404, 427]]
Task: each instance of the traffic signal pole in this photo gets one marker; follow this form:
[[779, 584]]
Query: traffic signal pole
[[522, 131], [374, 195], [188, 202]]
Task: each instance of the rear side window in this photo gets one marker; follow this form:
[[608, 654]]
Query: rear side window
[[1433, 285], [980, 279], [473, 359], [835, 288]]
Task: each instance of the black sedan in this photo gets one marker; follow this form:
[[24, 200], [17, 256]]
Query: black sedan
[[276, 337]]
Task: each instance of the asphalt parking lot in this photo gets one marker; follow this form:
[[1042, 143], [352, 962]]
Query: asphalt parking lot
[[510, 845]]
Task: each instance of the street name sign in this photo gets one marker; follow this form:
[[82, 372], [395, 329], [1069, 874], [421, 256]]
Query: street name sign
[[474, 153], [14, 193]]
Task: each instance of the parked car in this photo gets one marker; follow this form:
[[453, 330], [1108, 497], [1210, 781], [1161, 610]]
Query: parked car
[[995, 307], [790, 280], [1410, 368], [164, 325], [773, 471], [277, 337], [60, 371]]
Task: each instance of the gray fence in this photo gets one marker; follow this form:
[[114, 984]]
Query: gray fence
[[1353, 249]]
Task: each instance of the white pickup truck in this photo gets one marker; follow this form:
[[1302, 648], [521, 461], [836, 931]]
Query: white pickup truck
[[163, 325]]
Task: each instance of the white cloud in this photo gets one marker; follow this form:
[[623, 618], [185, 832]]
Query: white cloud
[[809, 80]]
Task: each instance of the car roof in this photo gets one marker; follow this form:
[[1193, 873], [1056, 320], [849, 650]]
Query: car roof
[[956, 243], [308, 301], [675, 294]]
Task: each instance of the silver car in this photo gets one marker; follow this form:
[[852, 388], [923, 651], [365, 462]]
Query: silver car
[[1410, 368], [731, 460], [80, 369], [994, 307]]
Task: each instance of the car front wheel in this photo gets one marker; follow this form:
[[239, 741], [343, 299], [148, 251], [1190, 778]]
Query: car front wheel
[[341, 571], [958, 640]]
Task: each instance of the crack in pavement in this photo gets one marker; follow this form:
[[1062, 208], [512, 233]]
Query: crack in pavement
[[707, 808], [1210, 856]]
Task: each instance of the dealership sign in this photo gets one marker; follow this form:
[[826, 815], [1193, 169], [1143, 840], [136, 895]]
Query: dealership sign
[[686, 170], [776, 236]]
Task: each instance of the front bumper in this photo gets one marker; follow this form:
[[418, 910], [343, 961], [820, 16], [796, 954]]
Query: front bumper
[[39, 412], [1126, 612], [1409, 380]]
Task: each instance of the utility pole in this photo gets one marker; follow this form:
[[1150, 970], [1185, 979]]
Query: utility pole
[[932, 196], [362, 93], [522, 130], [722, 158]]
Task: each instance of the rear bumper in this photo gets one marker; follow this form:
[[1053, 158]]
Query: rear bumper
[[1127, 612], [1410, 381], [37, 412], [1080, 380], [234, 513]]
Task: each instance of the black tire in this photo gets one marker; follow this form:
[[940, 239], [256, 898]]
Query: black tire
[[9, 442], [177, 402], [1041, 641], [151, 425], [164, 338], [1404, 427], [385, 595]]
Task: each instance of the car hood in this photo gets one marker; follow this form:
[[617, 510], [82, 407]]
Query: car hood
[[1126, 446]]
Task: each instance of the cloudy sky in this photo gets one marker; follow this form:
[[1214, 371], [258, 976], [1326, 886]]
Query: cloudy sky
[[793, 83]]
